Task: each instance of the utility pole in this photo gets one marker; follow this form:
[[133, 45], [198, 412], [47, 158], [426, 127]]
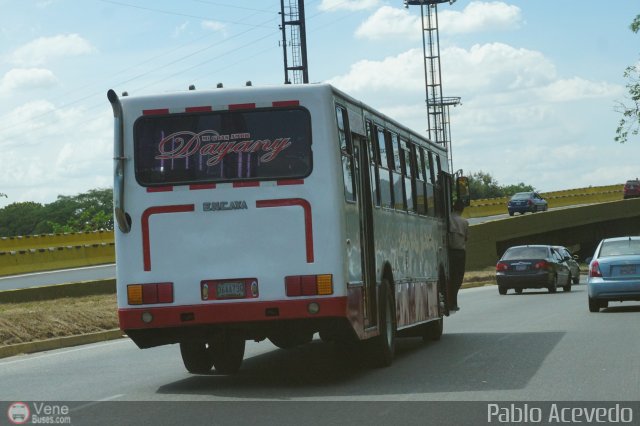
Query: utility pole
[[293, 19], [438, 123]]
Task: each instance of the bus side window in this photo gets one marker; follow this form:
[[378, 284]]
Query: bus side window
[[346, 150], [386, 194], [373, 166], [431, 184], [398, 190], [420, 180], [408, 173]]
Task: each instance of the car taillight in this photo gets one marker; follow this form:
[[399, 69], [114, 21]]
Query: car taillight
[[309, 285], [543, 264], [594, 269], [142, 294], [501, 267]]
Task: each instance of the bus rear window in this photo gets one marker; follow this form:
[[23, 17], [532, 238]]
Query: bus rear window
[[222, 146]]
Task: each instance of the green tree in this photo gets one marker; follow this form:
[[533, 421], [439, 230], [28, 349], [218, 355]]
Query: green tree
[[20, 219], [89, 211], [630, 122], [483, 185]]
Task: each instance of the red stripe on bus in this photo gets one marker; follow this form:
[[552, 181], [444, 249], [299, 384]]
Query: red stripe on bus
[[241, 106], [155, 111], [219, 313], [291, 182], [198, 109], [146, 245], [285, 103], [308, 225], [159, 188], [246, 184], [203, 186]]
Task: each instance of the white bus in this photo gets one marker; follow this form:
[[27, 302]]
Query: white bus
[[275, 213]]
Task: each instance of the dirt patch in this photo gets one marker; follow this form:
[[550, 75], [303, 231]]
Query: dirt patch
[[69, 316]]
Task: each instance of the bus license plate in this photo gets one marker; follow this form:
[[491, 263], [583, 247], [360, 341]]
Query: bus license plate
[[231, 290], [628, 270]]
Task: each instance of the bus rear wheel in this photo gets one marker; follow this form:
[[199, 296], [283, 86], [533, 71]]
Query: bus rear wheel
[[196, 356], [382, 347], [227, 352]]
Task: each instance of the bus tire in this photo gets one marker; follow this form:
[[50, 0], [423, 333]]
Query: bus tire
[[196, 356], [382, 347], [227, 352]]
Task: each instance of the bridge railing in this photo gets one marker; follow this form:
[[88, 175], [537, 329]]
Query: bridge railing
[[590, 195]]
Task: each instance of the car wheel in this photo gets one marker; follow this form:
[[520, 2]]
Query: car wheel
[[510, 213], [594, 305], [519, 290], [576, 280], [567, 286], [502, 290], [553, 287]]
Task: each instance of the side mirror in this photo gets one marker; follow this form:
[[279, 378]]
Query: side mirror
[[462, 190]]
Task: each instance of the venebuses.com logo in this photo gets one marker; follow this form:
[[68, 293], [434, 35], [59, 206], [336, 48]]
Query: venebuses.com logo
[[20, 413]]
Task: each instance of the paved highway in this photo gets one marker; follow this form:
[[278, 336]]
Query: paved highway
[[530, 347], [58, 277]]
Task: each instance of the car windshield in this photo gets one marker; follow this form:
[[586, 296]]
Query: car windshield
[[516, 253], [620, 248], [521, 196]]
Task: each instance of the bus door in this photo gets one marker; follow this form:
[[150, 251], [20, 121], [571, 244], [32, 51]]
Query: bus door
[[365, 205]]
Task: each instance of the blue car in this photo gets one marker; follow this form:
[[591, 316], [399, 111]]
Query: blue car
[[614, 272], [523, 202]]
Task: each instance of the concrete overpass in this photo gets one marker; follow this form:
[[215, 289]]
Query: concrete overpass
[[578, 228]]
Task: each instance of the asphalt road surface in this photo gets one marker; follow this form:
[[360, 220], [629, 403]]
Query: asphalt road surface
[[37, 279], [531, 347]]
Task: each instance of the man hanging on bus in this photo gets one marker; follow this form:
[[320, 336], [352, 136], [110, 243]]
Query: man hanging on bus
[[458, 234]]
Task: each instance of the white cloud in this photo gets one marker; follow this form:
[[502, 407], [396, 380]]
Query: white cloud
[[48, 151], [214, 26], [390, 21], [26, 79], [335, 5], [180, 29], [495, 66], [577, 88], [395, 73], [44, 49], [475, 17], [480, 16]]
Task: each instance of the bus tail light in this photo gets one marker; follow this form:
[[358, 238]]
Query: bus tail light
[[143, 294], [309, 285]]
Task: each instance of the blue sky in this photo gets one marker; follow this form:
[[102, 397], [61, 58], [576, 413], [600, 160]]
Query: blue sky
[[539, 79]]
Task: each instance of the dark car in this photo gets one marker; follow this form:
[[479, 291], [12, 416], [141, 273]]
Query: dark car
[[572, 263], [532, 266], [631, 189], [523, 202], [614, 272]]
